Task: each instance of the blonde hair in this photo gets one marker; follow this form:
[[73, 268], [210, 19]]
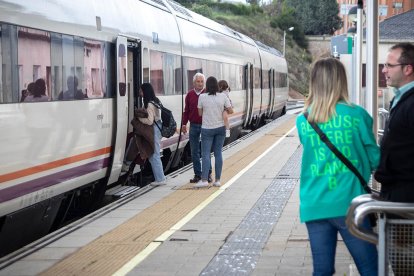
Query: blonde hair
[[328, 85]]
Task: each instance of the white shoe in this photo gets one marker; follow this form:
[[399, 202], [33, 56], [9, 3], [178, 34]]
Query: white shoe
[[159, 183], [227, 133], [201, 184], [217, 183]]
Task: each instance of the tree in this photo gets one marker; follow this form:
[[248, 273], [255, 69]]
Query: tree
[[317, 17], [286, 20]]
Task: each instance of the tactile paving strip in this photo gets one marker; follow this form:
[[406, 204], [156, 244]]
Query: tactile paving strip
[[240, 253]]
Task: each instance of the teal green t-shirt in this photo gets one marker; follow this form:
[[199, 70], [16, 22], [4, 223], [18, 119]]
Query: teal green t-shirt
[[327, 186]]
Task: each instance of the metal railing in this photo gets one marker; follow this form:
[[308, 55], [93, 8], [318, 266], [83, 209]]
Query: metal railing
[[394, 233]]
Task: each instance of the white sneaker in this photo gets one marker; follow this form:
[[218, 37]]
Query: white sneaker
[[201, 184], [217, 183], [227, 133], [159, 183]]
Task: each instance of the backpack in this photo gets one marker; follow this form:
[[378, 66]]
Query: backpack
[[169, 126]]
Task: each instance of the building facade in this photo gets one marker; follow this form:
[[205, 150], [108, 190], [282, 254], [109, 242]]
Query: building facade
[[386, 9]]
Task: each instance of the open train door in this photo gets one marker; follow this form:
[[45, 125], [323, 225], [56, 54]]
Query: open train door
[[121, 109], [248, 85]]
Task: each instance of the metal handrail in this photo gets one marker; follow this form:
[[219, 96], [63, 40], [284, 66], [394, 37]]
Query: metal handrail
[[364, 205]]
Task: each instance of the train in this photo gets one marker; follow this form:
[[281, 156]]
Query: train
[[59, 155]]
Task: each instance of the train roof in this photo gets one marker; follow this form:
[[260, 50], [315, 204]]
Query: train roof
[[269, 49]]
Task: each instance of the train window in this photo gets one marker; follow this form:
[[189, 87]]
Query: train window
[[281, 79], [145, 65], [9, 90], [242, 78], [163, 73], [191, 67], [231, 73], [256, 78], [156, 72], [265, 79], [213, 68], [95, 75], [64, 67]]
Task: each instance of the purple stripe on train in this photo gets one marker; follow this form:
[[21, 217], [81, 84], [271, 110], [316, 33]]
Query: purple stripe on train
[[51, 180]]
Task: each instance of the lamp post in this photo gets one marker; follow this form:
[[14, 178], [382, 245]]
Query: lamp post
[[284, 39]]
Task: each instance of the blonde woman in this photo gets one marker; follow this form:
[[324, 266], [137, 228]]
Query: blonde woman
[[327, 186]]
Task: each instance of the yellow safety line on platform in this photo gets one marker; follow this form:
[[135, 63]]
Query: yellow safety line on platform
[[163, 237]]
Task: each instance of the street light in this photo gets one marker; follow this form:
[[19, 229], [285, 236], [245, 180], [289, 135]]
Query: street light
[[284, 38]]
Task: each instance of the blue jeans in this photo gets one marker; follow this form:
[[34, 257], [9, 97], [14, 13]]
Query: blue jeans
[[195, 133], [212, 140], [323, 239], [155, 158]]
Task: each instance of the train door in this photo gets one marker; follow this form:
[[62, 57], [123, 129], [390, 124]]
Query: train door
[[121, 109], [134, 78], [248, 73]]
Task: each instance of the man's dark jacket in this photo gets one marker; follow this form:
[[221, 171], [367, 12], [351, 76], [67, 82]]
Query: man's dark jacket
[[396, 169]]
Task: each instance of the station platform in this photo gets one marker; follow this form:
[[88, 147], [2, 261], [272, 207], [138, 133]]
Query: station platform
[[248, 226]]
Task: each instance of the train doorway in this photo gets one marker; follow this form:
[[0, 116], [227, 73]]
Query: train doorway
[[128, 80], [248, 86]]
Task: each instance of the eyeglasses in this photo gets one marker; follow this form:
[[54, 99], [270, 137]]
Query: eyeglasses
[[389, 65]]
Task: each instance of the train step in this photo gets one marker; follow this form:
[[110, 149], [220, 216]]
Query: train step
[[121, 191]]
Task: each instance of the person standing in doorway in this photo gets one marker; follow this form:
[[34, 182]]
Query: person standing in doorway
[[327, 186], [191, 115], [154, 117]]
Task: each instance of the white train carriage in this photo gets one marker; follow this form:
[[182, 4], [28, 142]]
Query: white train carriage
[[59, 152]]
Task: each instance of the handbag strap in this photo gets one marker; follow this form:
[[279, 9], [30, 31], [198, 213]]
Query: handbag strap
[[338, 154], [159, 107]]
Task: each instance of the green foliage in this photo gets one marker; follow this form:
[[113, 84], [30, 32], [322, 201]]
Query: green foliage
[[286, 20], [317, 17], [236, 9], [203, 9]]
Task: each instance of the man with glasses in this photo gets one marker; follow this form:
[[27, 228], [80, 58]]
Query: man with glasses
[[396, 169]]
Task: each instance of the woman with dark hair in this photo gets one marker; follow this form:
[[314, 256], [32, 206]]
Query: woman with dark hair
[[154, 117], [211, 106]]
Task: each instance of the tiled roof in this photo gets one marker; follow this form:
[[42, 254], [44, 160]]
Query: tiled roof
[[398, 27]]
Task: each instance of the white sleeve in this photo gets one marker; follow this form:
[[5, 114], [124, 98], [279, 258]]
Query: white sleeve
[[200, 101], [227, 102]]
